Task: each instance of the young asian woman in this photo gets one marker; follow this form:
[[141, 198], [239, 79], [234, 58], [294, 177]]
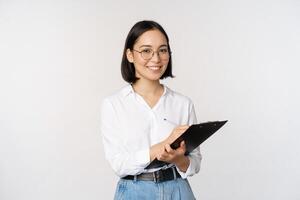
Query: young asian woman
[[142, 119]]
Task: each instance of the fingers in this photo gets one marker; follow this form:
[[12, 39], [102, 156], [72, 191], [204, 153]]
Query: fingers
[[168, 149], [166, 153], [163, 156], [182, 144], [169, 155], [182, 148]]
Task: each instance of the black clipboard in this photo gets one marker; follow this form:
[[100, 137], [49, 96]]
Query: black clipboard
[[193, 137]]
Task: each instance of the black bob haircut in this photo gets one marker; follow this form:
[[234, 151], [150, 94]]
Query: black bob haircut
[[127, 68]]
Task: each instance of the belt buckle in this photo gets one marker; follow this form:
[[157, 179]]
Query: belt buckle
[[158, 176]]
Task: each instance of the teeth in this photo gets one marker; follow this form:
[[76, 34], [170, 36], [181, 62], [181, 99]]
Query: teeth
[[154, 68]]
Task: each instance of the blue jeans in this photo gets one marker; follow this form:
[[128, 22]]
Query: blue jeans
[[149, 190]]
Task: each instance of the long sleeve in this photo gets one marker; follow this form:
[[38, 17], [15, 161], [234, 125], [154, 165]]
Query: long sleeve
[[121, 160], [195, 156]]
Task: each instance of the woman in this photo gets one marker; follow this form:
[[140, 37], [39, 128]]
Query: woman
[[141, 120]]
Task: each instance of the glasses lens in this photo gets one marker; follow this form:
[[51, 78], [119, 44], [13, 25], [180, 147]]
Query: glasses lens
[[164, 54], [147, 54]]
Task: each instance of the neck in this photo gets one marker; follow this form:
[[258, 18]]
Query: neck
[[146, 87]]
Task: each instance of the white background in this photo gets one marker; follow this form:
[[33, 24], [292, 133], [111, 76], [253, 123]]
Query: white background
[[237, 60]]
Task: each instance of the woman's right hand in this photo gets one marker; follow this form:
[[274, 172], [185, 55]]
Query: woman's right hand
[[156, 149]]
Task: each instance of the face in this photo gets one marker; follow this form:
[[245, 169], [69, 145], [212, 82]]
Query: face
[[147, 67]]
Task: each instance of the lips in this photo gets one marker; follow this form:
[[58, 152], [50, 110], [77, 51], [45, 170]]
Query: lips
[[154, 68]]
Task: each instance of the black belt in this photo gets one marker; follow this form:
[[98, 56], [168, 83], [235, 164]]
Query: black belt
[[158, 176]]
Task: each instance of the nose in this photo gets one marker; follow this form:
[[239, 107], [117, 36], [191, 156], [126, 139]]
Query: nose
[[155, 56]]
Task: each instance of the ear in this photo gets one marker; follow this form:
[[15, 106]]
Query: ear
[[129, 55]]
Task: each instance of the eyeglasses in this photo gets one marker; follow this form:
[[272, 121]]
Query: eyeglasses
[[147, 54]]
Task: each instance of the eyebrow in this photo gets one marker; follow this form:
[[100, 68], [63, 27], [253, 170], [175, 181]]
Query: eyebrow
[[163, 45]]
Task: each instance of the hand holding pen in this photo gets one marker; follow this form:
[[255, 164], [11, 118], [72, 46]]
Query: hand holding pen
[[157, 149], [175, 156]]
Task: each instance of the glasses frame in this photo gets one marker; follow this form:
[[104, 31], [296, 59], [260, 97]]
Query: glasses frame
[[157, 52]]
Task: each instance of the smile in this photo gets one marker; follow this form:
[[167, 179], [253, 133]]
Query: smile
[[154, 68]]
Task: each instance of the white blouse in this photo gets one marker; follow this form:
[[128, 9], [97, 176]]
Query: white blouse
[[129, 127]]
